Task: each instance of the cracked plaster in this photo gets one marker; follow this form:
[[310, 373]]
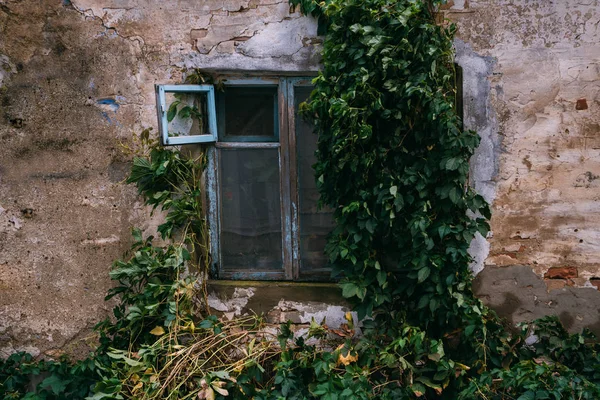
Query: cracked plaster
[[77, 79], [528, 62]]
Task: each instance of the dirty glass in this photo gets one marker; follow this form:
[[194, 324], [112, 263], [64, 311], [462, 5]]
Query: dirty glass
[[315, 223], [248, 114], [251, 209], [187, 113]]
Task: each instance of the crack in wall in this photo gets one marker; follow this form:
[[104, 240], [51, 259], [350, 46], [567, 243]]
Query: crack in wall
[[89, 13]]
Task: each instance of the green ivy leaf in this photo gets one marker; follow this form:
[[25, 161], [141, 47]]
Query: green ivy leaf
[[370, 225], [349, 290], [455, 195], [172, 111], [381, 278], [423, 274], [452, 164], [56, 384]]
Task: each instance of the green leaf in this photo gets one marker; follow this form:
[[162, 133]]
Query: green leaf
[[370, 225], [172, 111], [185, 112], [423, 274], [418, 389], [399, 202], [394, 190], [469, 330], [443, 231], [381, 278], [426, 381], [423, 301], [349, 290], [455, 195], [453, 164], [56, 384], [528, 395]]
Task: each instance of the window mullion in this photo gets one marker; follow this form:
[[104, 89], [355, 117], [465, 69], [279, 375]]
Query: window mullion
[[213, 211], [285, 174], [293, 179]]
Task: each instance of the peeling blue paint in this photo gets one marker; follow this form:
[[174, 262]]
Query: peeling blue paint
[[106, 117], [110, 120], [112, 104]]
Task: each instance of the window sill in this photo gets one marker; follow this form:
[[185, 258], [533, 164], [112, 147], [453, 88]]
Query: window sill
[[263, 297]]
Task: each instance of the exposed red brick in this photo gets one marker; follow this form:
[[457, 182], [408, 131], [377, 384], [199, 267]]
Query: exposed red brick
[[581, 104], [561, 273], [595, 282]]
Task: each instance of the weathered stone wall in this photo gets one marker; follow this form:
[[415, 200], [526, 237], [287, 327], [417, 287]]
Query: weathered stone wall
[[532, 91], [76, 79]]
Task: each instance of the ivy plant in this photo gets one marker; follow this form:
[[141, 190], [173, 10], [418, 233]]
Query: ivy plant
[[393, 162]]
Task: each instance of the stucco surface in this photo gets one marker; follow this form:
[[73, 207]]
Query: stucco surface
[[77, 78], [535, 104]]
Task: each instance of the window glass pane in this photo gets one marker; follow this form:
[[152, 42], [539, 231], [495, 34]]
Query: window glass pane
[[248, 113], [315, 224], [187, 113], [250, 209]]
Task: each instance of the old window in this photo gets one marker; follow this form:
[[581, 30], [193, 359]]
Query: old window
[[265, 222], [263, 202]]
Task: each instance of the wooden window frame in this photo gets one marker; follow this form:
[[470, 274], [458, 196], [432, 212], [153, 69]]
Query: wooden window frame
[[161, 109], [288, 173]]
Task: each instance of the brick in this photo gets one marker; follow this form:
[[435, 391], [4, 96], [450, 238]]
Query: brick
[[595, 282], [561, 273], [581, 104]]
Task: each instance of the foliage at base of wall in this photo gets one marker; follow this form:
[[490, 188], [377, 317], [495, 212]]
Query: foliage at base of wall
[[393, 163]]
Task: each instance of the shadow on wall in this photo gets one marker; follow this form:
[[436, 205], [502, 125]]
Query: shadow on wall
[[519, 295]]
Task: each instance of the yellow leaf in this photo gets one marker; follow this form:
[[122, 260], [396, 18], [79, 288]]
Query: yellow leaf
[[462, 366], [158, 331], [134, 378], [349, 317], [218, 386], [206, 393], [138, 386], [349, 358]]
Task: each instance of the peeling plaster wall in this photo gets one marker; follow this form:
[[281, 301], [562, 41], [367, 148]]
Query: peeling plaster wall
[[76, 79], [281, 302], [534, 100]]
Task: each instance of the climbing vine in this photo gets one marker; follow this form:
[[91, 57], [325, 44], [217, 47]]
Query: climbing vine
[[393, 164]]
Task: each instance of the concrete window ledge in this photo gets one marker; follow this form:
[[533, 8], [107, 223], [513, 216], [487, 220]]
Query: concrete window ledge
[[299, 302]]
